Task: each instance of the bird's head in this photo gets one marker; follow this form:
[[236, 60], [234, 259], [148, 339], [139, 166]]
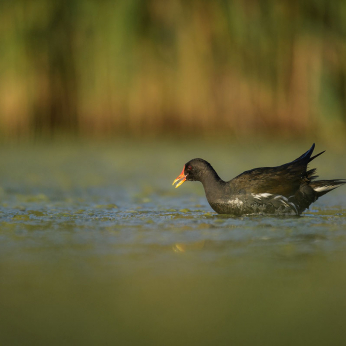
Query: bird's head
[[192, 171]]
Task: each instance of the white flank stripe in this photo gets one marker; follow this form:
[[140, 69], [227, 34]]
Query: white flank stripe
[[283, 199], [236, 201], [261, 195]]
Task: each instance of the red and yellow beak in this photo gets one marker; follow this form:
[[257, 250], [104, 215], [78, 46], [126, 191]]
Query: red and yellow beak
[[181, 177]]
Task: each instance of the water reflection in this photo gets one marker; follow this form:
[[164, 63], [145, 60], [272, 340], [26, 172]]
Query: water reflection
[[183, 247]]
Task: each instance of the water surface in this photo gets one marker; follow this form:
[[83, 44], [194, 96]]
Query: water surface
[[97, 248]]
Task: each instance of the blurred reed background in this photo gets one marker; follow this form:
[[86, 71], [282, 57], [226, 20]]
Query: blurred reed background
[[158, 67]]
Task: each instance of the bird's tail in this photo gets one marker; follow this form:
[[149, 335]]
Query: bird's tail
[[307, 156], [321, 187]]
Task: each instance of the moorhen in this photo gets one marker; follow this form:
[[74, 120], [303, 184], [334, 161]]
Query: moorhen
[[284, 190]]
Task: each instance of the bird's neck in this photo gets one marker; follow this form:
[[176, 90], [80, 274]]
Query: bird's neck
[[212, 183]]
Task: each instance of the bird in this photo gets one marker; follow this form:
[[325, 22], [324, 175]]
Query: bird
[[288, 189]]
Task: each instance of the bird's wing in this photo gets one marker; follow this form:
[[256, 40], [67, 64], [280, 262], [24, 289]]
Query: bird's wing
[[283, 180]]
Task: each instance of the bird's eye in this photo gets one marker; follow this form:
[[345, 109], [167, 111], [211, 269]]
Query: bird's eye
[[189, 168]]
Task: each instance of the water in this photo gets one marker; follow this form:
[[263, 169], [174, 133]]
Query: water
[[97, 248]]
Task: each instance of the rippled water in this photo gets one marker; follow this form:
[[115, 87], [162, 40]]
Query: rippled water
[[97, 247]]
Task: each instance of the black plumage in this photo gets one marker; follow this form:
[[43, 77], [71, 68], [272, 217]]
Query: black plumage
[[285, 189]]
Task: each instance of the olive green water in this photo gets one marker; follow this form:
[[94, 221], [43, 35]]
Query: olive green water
[[97, 248]]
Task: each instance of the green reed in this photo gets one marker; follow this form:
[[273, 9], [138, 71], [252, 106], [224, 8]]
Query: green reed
[[140, 67]]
